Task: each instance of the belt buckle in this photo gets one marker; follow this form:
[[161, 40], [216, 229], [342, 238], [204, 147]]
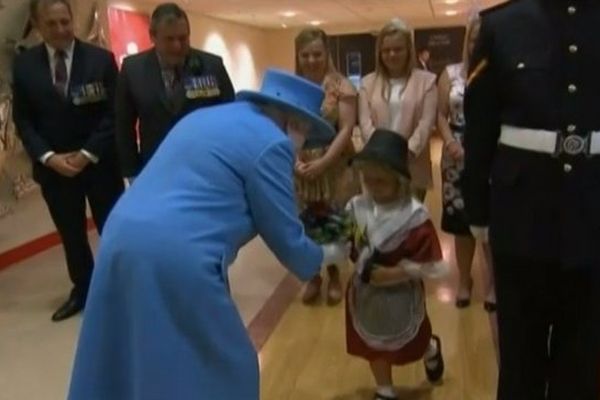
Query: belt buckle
[[572, 145]]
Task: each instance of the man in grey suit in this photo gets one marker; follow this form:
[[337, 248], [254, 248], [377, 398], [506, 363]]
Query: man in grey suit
[[156, 88]]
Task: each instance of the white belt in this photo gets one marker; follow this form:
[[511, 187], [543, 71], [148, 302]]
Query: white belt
[[542, 141]]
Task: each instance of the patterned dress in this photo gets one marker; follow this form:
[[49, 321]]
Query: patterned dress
[[322, 200], [453, 216]]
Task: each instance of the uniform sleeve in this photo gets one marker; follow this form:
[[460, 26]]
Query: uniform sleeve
[[482, 115], [270, 193]]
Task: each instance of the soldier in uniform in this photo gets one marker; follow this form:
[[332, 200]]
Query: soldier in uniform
[[532, 175]]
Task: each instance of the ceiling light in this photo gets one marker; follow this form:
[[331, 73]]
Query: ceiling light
[[284, 26], [451, 2], [451, 12], [289, 14], [315, 23]]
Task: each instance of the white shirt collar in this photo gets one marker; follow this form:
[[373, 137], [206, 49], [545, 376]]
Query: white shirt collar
[[68, 51]]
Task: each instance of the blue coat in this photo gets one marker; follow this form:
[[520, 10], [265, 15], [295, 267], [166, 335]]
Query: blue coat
[[159, 322]]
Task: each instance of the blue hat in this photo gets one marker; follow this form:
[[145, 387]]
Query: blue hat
[[295, 94]]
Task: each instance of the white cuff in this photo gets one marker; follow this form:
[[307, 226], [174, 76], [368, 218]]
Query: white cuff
[[431, 270], [335, 254], [90, 156], [480, 233], [46, 157], [129, 181]]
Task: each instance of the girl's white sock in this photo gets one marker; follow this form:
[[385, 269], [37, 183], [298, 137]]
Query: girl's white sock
[[387, 391]]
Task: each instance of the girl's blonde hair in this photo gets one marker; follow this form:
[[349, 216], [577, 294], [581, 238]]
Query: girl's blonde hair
[[394, 27], [472, 24]]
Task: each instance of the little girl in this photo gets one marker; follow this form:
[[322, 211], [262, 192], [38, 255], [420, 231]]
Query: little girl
[[394, 247]]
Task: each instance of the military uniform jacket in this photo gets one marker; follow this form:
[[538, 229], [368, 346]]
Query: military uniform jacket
[[535, 66]]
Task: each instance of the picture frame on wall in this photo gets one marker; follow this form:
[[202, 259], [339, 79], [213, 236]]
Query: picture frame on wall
[[443, 46], [354, 67]]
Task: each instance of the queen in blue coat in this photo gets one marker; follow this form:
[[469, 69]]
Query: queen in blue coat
[[159, 322]]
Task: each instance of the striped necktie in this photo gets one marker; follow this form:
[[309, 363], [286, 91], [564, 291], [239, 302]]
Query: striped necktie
[[60, 72]]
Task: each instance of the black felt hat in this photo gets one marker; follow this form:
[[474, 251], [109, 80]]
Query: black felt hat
[[388, 148]]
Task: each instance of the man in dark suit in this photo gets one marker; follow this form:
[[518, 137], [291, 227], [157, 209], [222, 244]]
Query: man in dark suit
[[532, 174], [63, 111], [158, 87], [423, 57]]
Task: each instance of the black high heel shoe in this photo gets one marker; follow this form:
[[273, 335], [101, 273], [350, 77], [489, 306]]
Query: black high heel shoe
[[465, 302], [490, 306]]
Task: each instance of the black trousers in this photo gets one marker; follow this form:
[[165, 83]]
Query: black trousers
[[65, 197], [549, 330]]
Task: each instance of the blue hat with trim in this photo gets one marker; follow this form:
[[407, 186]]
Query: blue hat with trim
[[294, 94]]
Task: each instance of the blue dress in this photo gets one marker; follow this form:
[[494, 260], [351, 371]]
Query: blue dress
[[159, 322]]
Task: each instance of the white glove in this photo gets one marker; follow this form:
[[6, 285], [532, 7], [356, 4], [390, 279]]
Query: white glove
[[129, 181], [480, 233], [335, 253]]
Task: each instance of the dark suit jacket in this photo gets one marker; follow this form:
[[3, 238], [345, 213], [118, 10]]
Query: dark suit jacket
[[47, 121], [529, 54], [142, 98]]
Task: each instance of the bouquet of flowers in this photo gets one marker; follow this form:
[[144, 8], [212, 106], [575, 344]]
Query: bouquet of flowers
[[326, 225]]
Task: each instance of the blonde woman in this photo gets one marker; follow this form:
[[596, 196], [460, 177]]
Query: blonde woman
[[320, 164], [451, 124], [401, 98]]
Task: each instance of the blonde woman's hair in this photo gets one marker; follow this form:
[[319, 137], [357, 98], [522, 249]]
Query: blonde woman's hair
[[394, 27], [309, 35], [473, 22]]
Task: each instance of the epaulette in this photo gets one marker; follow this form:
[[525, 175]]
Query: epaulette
[[497, 7]]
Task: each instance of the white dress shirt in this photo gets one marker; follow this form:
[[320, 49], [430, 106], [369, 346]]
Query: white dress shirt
[[397, 87], [69, 63]]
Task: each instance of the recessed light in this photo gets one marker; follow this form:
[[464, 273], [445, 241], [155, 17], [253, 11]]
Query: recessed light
[[289, 14], [451, 2], [451, 13], [316, 23]]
